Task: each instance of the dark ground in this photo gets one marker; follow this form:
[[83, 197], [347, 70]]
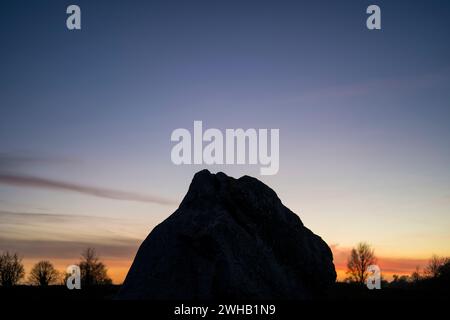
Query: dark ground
[[58, 292], [340, 292], [349, 300]]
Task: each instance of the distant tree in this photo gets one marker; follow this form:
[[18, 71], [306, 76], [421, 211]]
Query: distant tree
[[360, 258], [434, 264], [384, 282], [415, 276], [11, 269], [93, 271], [403, 281], [43, 274], [444, 271]]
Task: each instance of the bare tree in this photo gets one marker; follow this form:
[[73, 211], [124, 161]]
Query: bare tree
[[11, 269], [360, 258], [434, 265], [444, 271], [43, 274], [415, 276], [93, 271]]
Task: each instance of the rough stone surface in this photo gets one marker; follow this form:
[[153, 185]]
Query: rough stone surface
[[230, 239]]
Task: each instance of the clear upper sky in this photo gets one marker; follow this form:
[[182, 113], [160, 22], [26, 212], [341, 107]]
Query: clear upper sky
[[363, 117]]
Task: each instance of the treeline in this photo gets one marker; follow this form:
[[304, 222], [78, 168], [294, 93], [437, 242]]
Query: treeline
[[437, 271], [12, 272]]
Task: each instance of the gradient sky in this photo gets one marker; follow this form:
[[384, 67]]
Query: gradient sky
[[86, 118]]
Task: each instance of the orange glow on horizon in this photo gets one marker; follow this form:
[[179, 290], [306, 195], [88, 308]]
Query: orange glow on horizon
[[118, 268]]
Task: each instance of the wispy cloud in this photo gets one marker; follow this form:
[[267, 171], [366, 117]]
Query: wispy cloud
[[37, 235], [50, 249], [413, 82], [10, 175], [9, 161], [37, 218], [43, 183]]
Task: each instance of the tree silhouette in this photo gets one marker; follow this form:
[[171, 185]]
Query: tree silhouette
[[43, 274], [360, 258], [434, 264], [93, 271], [444, 271], [400, 281], [415, 276], [11, 269]]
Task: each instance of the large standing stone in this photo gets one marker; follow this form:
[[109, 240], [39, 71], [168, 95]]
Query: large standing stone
[[230, 238]]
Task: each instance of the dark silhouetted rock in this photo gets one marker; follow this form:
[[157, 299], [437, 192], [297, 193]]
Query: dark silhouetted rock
[[230, 238]]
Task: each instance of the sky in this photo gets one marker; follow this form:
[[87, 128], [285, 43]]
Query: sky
[[86, 118]]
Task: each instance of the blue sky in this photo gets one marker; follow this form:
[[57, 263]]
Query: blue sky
[[363, 115]]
